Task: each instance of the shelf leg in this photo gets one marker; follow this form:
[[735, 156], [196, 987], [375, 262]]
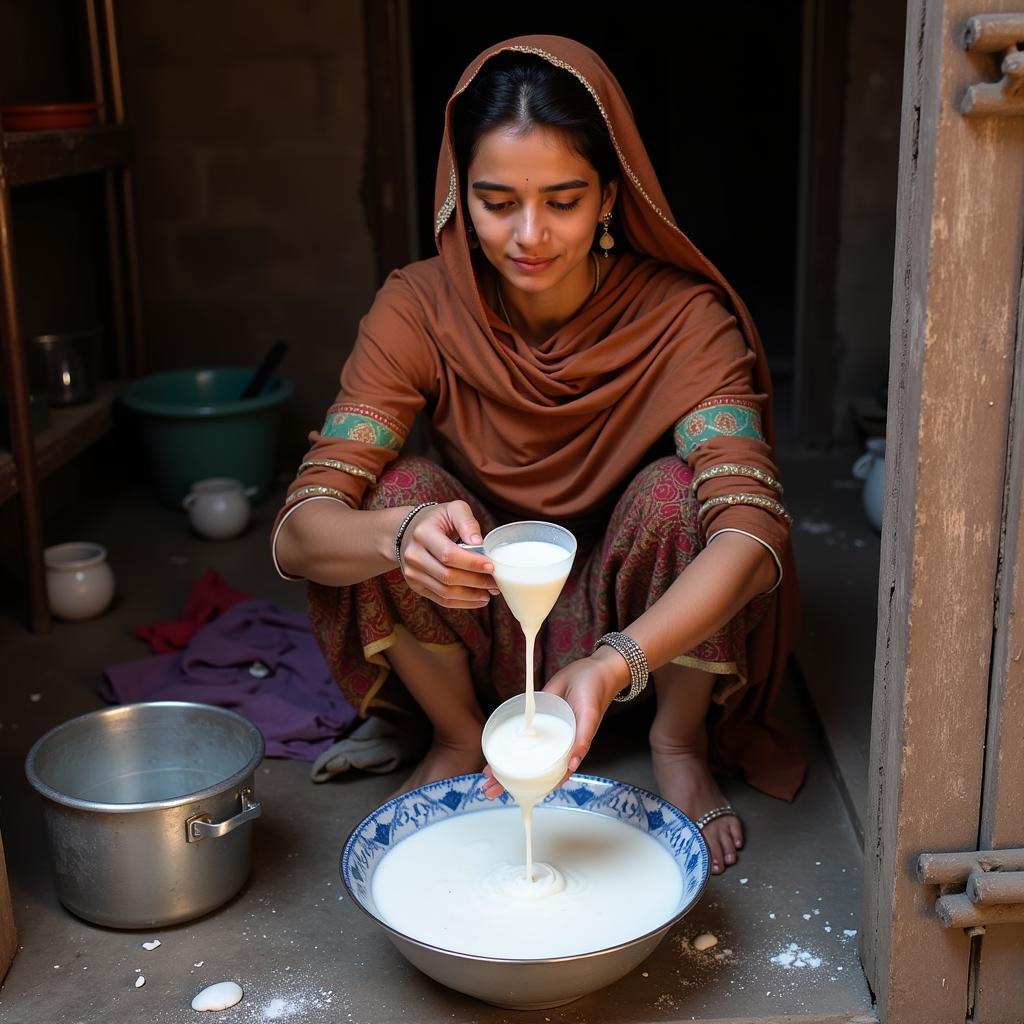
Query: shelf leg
[[22, 440], [127, 197], [116, 265]]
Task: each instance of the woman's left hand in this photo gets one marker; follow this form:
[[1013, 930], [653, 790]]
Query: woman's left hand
[[587, 686]]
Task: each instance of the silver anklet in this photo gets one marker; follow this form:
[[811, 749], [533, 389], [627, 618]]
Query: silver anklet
[[713, 815], [635, 659]]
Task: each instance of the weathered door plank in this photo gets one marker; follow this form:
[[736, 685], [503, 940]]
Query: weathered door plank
[[1000, 982], [960, 232]]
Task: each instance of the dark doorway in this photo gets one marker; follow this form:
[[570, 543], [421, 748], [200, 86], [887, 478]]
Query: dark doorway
[[716, 95]]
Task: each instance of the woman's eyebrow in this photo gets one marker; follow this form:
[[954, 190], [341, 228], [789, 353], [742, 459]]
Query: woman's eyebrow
[[562, 186]]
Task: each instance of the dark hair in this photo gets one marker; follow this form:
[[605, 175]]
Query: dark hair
[[521, 92]]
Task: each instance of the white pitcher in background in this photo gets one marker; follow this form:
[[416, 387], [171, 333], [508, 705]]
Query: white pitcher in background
[[218, 507], [870, 468]]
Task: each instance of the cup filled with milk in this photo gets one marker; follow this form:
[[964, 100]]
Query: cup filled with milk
[[530, 763], [531, 564]]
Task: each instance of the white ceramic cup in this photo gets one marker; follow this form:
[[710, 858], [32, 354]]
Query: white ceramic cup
[[530, 591], [218, 508], [530, 787], [79, 582]]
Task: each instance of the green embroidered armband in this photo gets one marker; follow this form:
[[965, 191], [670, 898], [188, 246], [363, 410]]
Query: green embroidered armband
[[732, 418], [365, 424]]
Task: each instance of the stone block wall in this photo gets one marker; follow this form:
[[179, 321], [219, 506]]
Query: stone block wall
[[249, 122]]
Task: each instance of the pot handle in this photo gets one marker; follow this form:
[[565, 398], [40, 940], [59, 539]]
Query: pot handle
[[199, 826], [861, 469]]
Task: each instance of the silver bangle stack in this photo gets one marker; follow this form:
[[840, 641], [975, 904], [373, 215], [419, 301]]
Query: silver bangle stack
[[635, 659], [401, 531]]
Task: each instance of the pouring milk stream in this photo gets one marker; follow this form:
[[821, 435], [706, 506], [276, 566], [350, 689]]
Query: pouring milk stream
[[528, 749]]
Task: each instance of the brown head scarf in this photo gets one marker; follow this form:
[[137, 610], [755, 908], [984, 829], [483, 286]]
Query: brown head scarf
[[641, 208], [554, 429]]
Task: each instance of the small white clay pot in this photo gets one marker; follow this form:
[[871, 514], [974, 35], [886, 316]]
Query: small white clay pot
[[79, 582], [218, 508]]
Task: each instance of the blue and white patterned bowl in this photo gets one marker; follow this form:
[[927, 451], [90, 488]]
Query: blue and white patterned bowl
[[525, 984]]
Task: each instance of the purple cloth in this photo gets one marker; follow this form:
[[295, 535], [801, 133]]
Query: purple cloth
[[296, 705]]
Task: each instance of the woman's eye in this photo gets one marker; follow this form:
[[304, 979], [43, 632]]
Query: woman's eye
[[493, 207], [566, 206]]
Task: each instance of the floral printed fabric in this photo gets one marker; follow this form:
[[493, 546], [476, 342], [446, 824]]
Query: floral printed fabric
[[651, 538]]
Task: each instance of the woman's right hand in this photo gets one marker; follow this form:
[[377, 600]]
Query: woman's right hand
[[436, 567]]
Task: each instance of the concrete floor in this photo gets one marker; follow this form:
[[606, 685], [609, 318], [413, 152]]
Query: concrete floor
[[293, 939], [837, 553]]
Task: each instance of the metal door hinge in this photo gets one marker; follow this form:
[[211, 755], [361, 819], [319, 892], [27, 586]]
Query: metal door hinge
[[1003, 35], [976, 889]]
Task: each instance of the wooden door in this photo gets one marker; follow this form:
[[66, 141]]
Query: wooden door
[[947, 762]]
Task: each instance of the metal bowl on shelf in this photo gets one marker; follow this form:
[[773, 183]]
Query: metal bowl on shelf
[[543, 982]]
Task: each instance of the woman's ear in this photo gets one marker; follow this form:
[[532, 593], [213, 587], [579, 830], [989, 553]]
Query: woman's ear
[[609, 194]]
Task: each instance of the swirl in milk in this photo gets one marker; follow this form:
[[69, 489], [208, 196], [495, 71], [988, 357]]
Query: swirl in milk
[[507, 884]]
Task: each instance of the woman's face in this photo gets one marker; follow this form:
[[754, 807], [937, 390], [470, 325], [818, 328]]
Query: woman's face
[[535, 204]]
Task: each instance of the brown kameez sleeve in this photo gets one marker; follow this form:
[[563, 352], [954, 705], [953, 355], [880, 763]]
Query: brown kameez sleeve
[[721, 437]]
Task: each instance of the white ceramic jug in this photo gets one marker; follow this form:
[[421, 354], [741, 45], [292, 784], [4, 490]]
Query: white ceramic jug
[[870, 468], [218, 508], [79, 582]]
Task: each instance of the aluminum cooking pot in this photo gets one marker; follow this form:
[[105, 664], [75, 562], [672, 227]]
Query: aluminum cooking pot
[[148, 810]]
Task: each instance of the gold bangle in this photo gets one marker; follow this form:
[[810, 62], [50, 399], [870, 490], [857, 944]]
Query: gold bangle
[[743, 498], [345, 467], [312, 491], [736, 469]]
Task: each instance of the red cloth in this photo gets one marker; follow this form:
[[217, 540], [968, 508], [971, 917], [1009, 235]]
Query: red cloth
[[210, 597]]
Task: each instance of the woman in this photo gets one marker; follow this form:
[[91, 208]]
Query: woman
[[554, 378]]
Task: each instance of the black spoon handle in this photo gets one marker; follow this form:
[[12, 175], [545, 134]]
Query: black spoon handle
[[265, 369]]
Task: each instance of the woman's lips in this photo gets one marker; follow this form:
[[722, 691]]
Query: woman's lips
[[533, 266]]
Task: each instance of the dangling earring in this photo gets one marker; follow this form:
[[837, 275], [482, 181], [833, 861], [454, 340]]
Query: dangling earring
[[606, 241]]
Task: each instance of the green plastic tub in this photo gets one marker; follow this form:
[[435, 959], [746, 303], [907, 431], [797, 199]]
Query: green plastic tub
[[194, 425]]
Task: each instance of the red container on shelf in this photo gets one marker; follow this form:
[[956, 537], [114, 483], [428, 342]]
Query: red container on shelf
[[40, 117]]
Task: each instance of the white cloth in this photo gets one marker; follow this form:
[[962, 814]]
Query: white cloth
[[375, 746]]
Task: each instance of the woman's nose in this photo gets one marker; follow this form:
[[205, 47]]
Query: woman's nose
[[530, 230]]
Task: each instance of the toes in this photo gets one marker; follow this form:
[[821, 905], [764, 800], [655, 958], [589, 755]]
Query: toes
[[728, 845], [716, 854], [736, 831], [728, 841]]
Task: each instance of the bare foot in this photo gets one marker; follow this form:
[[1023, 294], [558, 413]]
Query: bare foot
[[684, 779], [442, 761]]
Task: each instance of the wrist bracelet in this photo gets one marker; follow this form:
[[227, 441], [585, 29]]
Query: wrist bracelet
[[401, 531], [635, 659]]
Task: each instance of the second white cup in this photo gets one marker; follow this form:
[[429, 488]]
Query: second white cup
[[530, 765]]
